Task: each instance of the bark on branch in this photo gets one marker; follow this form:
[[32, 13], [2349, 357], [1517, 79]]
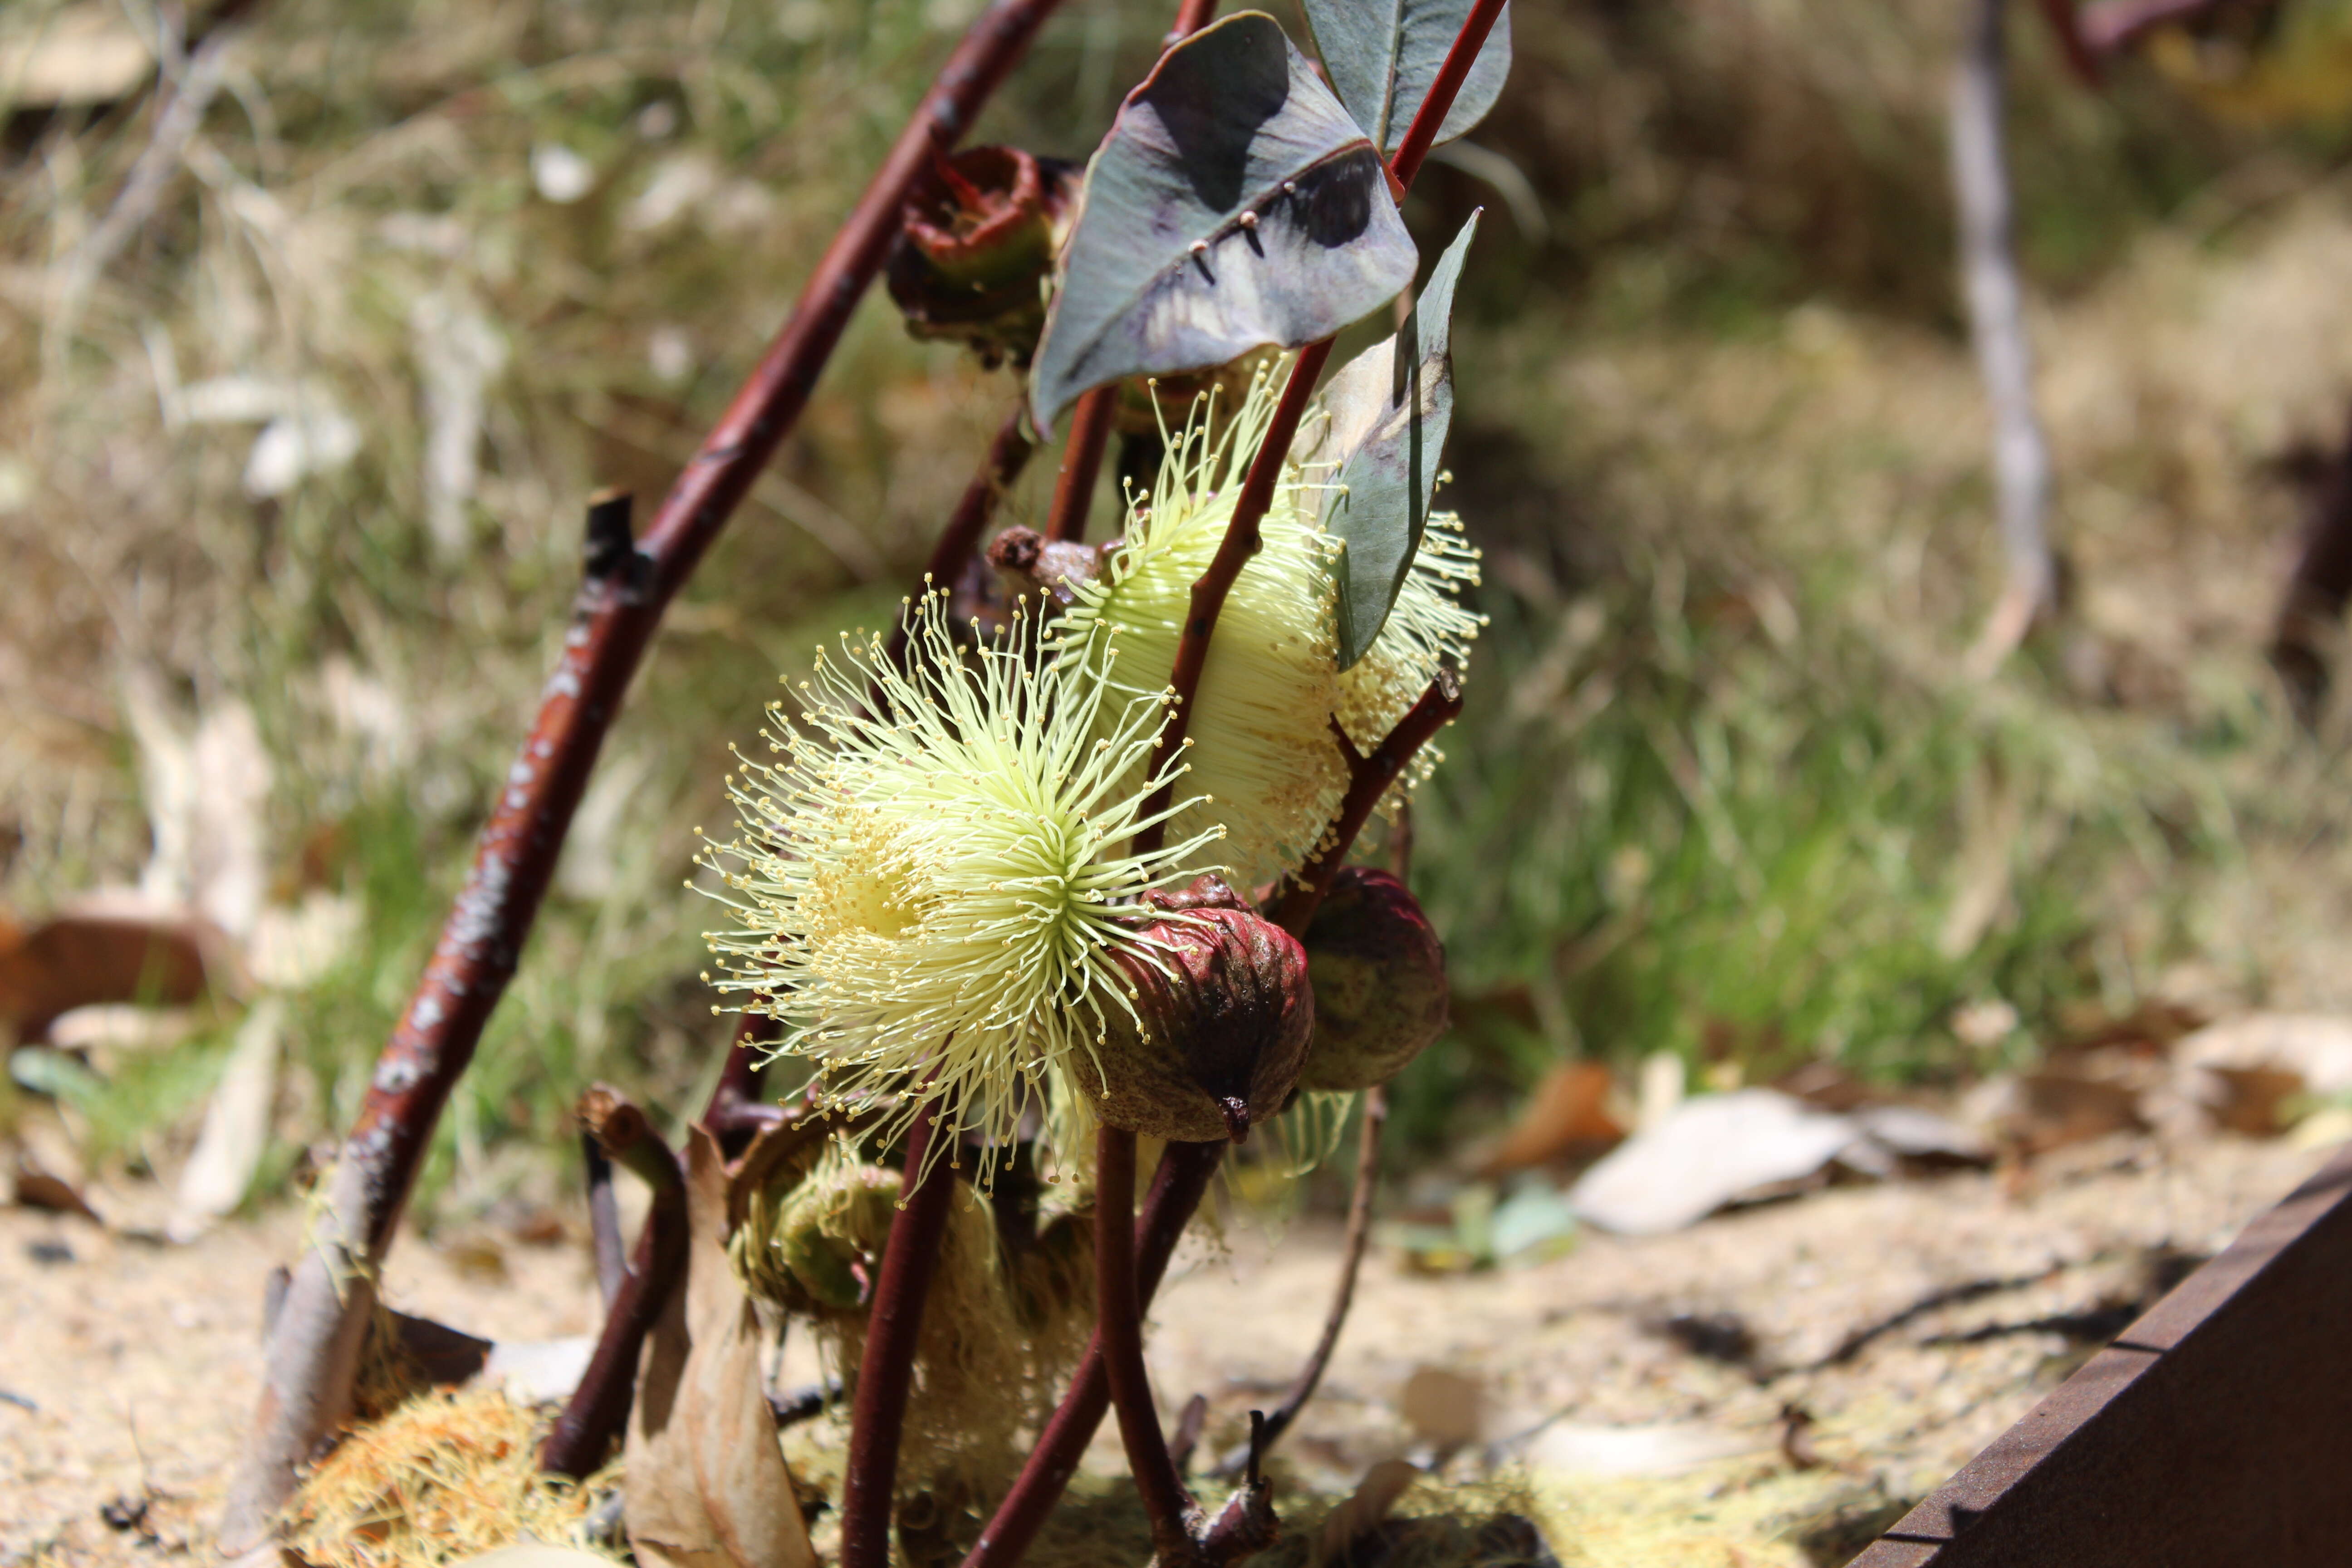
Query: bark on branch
[[315, 1347]]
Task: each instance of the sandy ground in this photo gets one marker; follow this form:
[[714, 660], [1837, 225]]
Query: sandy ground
[[1644, 1385]]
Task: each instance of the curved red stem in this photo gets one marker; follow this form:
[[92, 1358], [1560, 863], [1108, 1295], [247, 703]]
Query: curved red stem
[[910, 1258]]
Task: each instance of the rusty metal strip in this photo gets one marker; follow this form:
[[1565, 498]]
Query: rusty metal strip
[[2216, 1431]]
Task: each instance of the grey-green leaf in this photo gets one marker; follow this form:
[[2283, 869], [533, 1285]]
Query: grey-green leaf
[[1382, 55], [1380, 447], [1233, 204]]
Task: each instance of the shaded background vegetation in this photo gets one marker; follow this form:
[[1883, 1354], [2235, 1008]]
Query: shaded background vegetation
[[1723, 789]]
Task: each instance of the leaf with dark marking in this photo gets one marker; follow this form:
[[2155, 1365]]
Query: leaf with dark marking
[[1380, 448], [1233, 204], [1382, 55]]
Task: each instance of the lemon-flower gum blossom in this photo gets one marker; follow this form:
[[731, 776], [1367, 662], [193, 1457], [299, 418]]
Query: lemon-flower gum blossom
[[933, 882], [1265, 766], [1427, 630]]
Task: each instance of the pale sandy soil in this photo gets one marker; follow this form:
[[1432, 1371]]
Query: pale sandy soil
[[140, 1361]]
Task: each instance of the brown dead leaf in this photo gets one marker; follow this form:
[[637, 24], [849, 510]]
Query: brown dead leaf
[[1565, 1118], [2251, 1100], [75, 959], [37, 1188], [1443, 1407], [706, 1485], [2057, 1108]]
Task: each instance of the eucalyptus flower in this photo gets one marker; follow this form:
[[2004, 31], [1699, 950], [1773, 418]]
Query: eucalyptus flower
[[1427, 630], [934, 882], [1265, 766]]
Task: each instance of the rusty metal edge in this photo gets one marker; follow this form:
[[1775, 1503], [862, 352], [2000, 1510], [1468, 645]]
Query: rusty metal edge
[[2216, 1430]]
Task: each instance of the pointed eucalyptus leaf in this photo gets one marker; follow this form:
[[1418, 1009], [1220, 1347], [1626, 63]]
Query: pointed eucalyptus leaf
[[1383, 54], [1233, 204], [1387, 410]]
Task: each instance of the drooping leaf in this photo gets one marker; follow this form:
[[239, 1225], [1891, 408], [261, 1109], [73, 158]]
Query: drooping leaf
[[1383, 54], [1389, 410], [705, 1485], [1233, 204]]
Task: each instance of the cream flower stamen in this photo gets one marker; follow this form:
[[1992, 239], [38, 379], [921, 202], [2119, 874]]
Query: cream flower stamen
[[1427, 630], [933, 880], [1266, 762]]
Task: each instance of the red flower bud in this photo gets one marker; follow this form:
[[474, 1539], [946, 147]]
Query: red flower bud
[[1378, 974], [976, 244], [1224, 1013]]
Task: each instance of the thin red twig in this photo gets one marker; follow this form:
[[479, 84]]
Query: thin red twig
[[1359, 1231], [1082, 455], [1370, 775], [314, 1351], [1233, 552], [1176, 1186], [1008, 454], [1119, 1318], [1191, 18], [2066, 26], [885, 1372], [1421, 134], [599, 1407]]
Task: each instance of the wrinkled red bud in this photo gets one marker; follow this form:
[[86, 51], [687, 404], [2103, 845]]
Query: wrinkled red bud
[[1225, 1013], [975, 246], [1378, 974]]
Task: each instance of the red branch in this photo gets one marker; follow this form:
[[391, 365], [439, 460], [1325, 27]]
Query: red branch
[[1082, 455], [314, 1351], [1118, 1317], [885, 1372], [583, 1436], [1359, 1230], [1370, 775], [2066, 26], [1008, 454], [1421, 134], [1176, 1189]]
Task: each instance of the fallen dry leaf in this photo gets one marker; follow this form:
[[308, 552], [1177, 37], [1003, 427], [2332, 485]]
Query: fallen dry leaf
[[706, 1485], [2251, 1100], [1443, 1407], [1711, 1150], [1564, 1117], [80, 958], [2055, 1109]]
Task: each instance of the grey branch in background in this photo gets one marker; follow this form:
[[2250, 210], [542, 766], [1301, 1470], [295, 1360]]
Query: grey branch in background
[[1997, 322]]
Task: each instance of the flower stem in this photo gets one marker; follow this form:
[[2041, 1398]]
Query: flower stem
[[313, 1352], [599, 1407], [1082, 455], [1421, 134], [1008, 454], [1359, 1230], [911, 1257], [1370, 775], [1176, 1190], [1118, 1317]]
